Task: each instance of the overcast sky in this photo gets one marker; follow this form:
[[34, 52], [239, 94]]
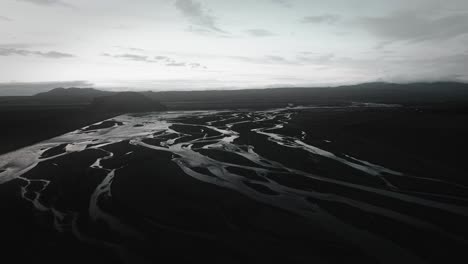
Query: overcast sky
[[203, 44]]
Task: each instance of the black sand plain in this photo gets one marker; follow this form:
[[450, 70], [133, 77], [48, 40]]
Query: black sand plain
[[165, 214], [340, 182]]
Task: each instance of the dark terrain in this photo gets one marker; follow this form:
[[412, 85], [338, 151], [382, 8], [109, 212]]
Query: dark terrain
[[51, 116], [345, 181], [60, 110]]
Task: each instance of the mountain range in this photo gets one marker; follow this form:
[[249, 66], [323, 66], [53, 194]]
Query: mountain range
[[405, 94]]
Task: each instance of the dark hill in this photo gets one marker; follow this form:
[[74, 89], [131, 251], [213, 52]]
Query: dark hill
[[378, 92], [70, 95], [126, 102], [75, 92], [414, 93]]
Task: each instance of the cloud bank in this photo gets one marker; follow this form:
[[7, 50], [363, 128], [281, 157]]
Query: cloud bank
[[23, 52]]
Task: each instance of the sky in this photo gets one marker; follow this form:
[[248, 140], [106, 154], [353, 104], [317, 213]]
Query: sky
[[221, 44]]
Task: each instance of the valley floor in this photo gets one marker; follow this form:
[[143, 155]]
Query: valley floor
[[296, 185]]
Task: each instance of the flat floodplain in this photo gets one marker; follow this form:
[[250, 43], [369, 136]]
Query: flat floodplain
[[303, 184]]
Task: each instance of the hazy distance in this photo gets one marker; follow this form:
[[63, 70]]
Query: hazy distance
[[212, 44]]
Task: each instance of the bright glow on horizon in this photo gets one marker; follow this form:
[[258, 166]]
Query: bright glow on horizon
[[213, 44]]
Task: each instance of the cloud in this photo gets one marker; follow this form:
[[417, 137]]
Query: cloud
[[382, 44], [307, 57], [177, 64], [303, 58], [258, 32], [197, 15], [129, 48], [5, 19], [398, 68], [414, 27], [23, 52], [275, 58], [164, 60], [139, 58], [133, 57], [283, 3], [54, 54], [174, 63], [322, 19], [48, 2], [197, 65], [31, 88], [269, 59], [452, 67], [161, 58], [20, 45]]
